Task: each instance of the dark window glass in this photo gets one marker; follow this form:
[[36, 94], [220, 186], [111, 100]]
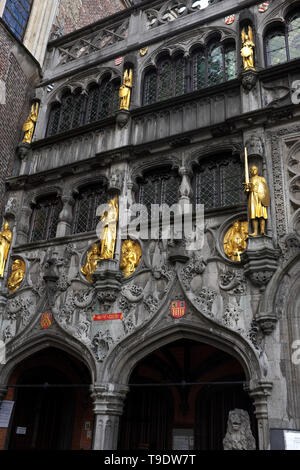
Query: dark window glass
[[159, 187], [276, 48], [16, 15], [198, 70], [179, 72], [218, 183], [176, 76], [88, 200], [150, 87], [165, 79], [78, 109], [45, 218]]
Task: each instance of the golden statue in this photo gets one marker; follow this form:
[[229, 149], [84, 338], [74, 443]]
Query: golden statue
[[235, 240], [5, 242], [29, 125], [109, 234], [259, 200], [247, 51], [92, 259], [131, 257], [17, 275], [125, 89]]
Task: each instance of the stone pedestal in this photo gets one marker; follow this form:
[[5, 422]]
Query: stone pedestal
[[108, 407], [107, 282], [260, 260]]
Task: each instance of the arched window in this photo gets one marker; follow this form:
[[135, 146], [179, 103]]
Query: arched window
[[218, 183], [276, 50], [16, 16], [160, 186], [178, 75], [67, 115], [293, 32], [87, 201], [283, 44], [77, 109], [44, 218], [103, 100]]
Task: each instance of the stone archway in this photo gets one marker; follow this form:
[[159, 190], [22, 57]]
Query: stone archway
[[117, 368], [50, 389], [180, 397]]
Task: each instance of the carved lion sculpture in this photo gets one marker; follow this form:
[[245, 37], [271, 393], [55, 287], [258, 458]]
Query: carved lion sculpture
[[239, 435]]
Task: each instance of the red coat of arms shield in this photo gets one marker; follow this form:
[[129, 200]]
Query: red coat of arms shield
[[178, 309], [46, 320]]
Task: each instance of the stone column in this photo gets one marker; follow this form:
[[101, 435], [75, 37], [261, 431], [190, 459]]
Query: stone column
[[108, 407], [65, 217], [260, 395]]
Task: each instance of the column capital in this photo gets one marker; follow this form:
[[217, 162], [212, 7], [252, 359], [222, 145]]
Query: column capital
[[109, 398]]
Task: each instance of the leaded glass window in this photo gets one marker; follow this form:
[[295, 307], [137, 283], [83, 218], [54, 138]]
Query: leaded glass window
[[294, 36], [215, 65], [45, 218], [230, 63], [218, 183], [150, 87], [160, 186], [16, 15], [283, 44], [164, 79], [276, 48], [198, 63], [109, 98], [88, 200], [178, 75]]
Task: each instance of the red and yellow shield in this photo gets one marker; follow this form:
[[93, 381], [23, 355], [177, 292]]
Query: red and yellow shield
[[178, 309], [46, 320]]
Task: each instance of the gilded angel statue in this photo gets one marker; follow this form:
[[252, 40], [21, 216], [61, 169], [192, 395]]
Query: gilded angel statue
[[247, 51], [29, 125]]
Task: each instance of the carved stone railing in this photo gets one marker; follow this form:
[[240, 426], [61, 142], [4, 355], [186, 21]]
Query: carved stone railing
[[174, 9], [93, 42]]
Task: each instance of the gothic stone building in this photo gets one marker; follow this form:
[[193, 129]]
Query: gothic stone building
[[147, 379]]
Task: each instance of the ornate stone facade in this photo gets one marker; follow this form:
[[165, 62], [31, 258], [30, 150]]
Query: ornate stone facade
[[245, 308]]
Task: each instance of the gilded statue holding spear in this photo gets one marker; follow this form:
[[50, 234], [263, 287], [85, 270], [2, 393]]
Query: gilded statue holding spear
[[258, 199]]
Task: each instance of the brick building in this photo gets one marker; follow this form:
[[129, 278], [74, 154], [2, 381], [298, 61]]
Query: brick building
[[156, 346]]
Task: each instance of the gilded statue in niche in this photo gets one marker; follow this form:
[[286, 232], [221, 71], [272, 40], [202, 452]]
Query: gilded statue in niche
[[92, 259], [5, 242], [131, 257], [235, 240], [109, 233], [17, 275], [125, 89], [29, 125], [258, 200], [247, 51]]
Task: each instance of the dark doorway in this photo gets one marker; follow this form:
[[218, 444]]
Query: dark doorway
[[181, 395], [46, 401]]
